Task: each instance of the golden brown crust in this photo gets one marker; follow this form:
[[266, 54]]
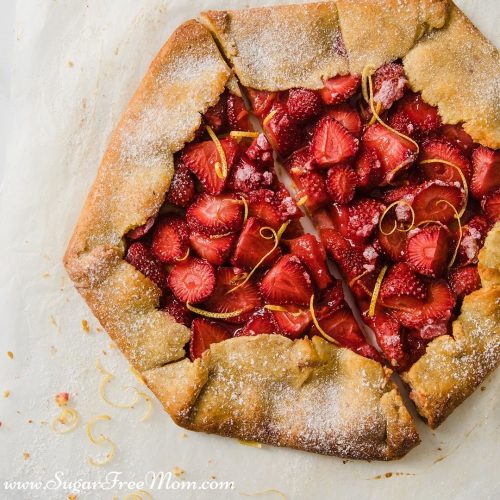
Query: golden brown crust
[[457, 69], [379, 31], [186, 77], [453, 367], [306, 394], [280, 47]]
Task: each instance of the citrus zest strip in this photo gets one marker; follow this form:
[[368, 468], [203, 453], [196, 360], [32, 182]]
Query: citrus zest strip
[[186, 255], [240, 134], [214, 315], [376, 291], [269, 117], [62, 419], [138, 495], [101, 439], [395, 227], [316, 323], [245, 204], [217, 236], [272, 307], [220, 168], [277, 236], [357, 278], [302, 201], [460, 231], [462, 176], [253, 444]]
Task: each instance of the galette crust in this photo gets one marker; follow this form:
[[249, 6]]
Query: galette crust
[[306, 394]]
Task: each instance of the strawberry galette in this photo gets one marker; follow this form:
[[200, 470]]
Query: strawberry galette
[[372, 120]]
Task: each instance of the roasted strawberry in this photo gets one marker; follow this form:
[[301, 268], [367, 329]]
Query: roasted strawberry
[[363, 217], [491, 206], [389, 335], [473, 236], [261, 322], [182, 190], [237, 113], [312, 254], [394, 152], [393, 242], [138, 232], [177, 310], [215, 116], [341, 326], [253, 245], [313, 186], [287, 282], [389, 84], [432, 330], [143, 259], [438, 202], [300, 162], [332, 299], [416, 346], [428, 250], [401, 287], [192, 280], [261, 101], [260, 153], [341, 182], [331, 143], [215, 214], [339, 89], [284, 133], [246, 177], [229, 297], [203, 334], [348, 117], [486, 171], [422, 117], [437, 308], [215, 249], [294, 322], [286, 205], [464, 280], [263, 205], [170, 239], [457, 136], [201, 157], [441, 149], [368, 168], [303, 105]]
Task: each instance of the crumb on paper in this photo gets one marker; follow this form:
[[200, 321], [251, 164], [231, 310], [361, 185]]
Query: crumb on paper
[[6, 394], [177, 471], [85, 326], [388, 474], [54, 323], [26, 455], [71, 64], [213, 477], [61, 398], [10, 354], [184, 435], [98, 329], [30, 421], [72, 496], [45, 275], [483, 388]]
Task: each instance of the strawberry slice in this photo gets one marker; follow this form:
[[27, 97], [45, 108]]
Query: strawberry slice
[[442, 149], [428, 250], [252, 246], [348, 117], [192, 280], [459, 137], [246, 176], [428, 202], [339, 89], [245, 298], [214, 250], [401, 287], [331, 143], [261, 322], [260, 153], [215, 116], [394, 152], [263, 205], [261, 101], [177, 310], [464, 280], [237, 114], [313, 186], [200, 158], [341, 182], [393, 243], [303, 105], [138, 232], [182, 190], [170, 239], [368, 168], [486, 171], [388, 333], [423, 119], [284, 133], [437, 308], [300, 162], [389, 84], [203, 334], [287, 282], [215, 214], [143, 259], [294, 322], [473, 236], [312, 254], [491, 206]]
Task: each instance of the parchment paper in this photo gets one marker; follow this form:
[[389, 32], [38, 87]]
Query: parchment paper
[[76, 64]]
